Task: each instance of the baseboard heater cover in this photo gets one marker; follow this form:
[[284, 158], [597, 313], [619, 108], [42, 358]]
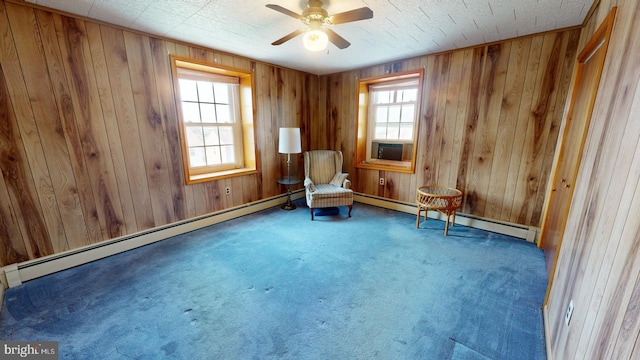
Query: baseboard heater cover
[[528, 233], [15, 274]]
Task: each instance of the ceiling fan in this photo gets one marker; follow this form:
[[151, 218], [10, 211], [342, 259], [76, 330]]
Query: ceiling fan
[[316, 17]]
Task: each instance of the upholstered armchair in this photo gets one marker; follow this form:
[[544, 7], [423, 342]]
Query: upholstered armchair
[[324, 182]]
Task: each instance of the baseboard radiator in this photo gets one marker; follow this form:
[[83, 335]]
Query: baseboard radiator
[[528, 233], [15, 274]]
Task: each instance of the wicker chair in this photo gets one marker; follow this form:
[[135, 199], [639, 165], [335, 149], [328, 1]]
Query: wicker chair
[[325, 184]]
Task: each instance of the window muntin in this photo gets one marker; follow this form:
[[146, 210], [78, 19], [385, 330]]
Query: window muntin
[[215, 110]]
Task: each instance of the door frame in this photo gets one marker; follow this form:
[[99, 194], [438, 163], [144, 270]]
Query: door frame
[[599, 40]]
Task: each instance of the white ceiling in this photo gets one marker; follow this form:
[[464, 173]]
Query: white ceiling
[[399, 28]]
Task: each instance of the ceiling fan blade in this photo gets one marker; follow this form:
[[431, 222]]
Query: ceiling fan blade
[[353, 15], [336, 39], [279, 8], [288, 37]]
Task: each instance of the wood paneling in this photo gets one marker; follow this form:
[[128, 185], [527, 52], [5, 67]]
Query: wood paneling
[[89, 145], [24, 165], [488, 125], [598, 266]]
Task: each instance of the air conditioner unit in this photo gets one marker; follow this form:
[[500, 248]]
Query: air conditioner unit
[[390, 151]]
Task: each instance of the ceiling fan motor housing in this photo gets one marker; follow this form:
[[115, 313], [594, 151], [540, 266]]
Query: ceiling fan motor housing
[[315, 15]]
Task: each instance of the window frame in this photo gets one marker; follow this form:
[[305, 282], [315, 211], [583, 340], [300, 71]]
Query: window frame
[[365, 130], [248, 161]]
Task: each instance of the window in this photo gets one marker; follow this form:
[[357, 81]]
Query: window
[[393, 109], [388, 108], [216, 119]]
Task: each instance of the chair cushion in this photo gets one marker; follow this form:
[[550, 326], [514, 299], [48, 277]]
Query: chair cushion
[[327, 195], [338, 179], [329, 191]]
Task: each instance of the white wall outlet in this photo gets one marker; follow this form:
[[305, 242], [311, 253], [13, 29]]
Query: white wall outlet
[[381, 181], [567, 316], [227, 190]]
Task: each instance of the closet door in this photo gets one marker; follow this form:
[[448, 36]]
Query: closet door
[[571, 143]]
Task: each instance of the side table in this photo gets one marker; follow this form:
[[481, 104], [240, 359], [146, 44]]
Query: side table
[[439, 198], [288, 181]]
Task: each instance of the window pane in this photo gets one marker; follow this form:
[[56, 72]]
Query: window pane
[[381, 132], [213, 155], [408, 95], [406, 131], [196, 156], [188, 91], [392, 131], [226, 152], [408, 113], [190, 112], [210, 135], [381, 114], [224, 114], [394, 113], [383, 97], [208, 112], [222, 92], [194, 136], [226, 135], [205, 91]]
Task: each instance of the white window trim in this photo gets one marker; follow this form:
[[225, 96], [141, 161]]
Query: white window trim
[[395, 85], [234, 102]]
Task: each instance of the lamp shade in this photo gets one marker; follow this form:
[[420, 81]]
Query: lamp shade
[[289, 141]]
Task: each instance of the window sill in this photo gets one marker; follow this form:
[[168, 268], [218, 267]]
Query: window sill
[[387, 165], [194, 179]]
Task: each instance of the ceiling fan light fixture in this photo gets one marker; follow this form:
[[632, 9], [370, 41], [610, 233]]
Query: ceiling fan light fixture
[[318, 33], [315, 40]]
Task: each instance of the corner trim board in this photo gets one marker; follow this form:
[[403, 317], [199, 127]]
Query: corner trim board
[[547, 332]]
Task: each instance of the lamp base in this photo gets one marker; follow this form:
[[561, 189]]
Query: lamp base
[[288, 206]]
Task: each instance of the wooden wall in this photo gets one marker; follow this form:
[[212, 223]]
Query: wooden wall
[[599, 263], [89, 145], [88, 148], [488, 125], [89, 140]]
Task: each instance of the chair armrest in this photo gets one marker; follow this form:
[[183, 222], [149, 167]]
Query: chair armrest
[[346, 184], [308, 184]]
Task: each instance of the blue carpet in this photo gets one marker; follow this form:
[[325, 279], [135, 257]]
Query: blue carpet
[[461, 352], [277, 285]]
